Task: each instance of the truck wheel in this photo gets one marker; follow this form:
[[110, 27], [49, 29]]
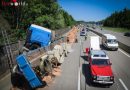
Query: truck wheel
[[34, 46]]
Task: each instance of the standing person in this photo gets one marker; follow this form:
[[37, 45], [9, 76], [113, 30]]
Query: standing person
[[86, 36]]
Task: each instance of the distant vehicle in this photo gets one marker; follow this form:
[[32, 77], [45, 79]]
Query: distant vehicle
[[87, 29], [99, 63], [38, 37], [127, 34], [83, 32], [110, 42], [87, 25]]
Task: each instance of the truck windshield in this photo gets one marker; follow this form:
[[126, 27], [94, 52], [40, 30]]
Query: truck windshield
[[100, 62], [112, 41]]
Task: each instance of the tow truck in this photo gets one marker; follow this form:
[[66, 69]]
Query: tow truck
[[99, 63]]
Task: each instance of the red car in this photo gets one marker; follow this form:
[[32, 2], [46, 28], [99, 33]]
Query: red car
[[100, 67]]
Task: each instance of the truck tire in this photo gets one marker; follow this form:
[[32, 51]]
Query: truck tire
[[34, 46]]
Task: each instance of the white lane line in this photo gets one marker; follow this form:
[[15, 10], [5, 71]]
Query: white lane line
[[79, 79], [79, 68], [123, 84], [124, 53]]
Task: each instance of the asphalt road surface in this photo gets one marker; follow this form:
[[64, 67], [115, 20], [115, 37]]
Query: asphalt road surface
[[77, 60], [120, 37], [75, 73], [120, 65]]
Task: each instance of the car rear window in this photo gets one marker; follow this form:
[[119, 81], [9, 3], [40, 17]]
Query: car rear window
[[100, 62]]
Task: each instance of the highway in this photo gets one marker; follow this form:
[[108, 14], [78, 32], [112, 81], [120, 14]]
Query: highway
[[120, 37], [120, 66], [75, 73], [70, 78]]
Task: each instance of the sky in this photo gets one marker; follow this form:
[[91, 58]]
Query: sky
[[93, 10]]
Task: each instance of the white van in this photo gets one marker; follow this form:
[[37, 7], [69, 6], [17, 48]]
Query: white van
[[110, 42]]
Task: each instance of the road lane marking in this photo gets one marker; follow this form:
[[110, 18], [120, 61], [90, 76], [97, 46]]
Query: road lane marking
[[79, 79], [124, 53], [123, 84], [79, 66]]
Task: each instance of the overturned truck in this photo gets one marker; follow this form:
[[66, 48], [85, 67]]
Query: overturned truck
[[38, 36], [40, 60]]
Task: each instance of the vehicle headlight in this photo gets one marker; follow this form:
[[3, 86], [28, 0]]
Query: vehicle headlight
[[112, 78], [94, 77]]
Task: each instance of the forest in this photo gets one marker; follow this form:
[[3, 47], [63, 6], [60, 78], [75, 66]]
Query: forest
[[118, 19]]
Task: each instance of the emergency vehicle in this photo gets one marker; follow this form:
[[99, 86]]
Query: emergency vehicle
[[99, 63]]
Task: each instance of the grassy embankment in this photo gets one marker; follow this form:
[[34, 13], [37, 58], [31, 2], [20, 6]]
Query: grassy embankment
[[116, 29]]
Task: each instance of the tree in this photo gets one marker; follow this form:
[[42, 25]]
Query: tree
[[119, 19], [46, 13]]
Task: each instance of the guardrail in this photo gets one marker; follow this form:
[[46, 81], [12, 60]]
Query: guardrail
[[121, 45], [45, 59], [15, 46]]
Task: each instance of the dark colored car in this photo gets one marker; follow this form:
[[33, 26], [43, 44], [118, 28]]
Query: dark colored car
[[127, 34]]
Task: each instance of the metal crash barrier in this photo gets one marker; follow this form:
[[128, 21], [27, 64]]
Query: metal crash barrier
[[34, 66]]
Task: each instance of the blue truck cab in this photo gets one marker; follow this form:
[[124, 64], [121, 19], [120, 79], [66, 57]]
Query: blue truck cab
[[38, 37]]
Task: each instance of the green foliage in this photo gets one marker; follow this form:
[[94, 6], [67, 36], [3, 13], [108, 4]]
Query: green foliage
[[119, 19], [46, 13]]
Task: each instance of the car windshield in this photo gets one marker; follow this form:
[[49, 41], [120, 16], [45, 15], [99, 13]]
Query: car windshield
[[100, 62], [112, 41]]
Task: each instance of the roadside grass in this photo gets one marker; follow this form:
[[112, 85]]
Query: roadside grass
[[116, 29]]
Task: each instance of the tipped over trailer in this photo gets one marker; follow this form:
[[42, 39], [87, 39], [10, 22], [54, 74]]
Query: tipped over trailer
[[33, 66]]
